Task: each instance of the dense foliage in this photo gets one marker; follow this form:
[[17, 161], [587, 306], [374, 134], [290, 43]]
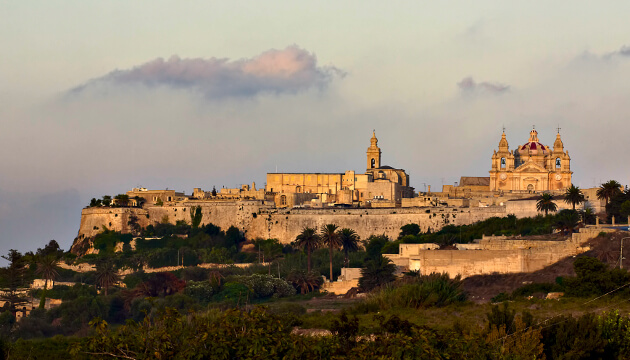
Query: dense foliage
[[260, 333]]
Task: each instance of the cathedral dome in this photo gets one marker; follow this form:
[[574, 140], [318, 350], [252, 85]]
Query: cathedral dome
[[533, 146]]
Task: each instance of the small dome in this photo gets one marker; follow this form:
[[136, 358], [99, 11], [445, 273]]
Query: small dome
[[533, 146]]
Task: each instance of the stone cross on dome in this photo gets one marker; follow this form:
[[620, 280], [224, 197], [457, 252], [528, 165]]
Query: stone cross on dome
[[559, 128]]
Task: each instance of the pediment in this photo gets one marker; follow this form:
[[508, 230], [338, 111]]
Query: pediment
[[530, 166]]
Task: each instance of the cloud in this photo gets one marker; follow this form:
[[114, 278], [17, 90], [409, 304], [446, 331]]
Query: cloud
[[623, 51], [290, 70], [468, 85]]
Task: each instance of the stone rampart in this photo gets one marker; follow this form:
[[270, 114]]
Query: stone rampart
[[286, 225], [259, 219]]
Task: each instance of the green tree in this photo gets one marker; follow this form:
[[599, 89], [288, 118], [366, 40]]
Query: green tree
[[409, 229], [133, 224], [106, 275], [588, 217], [545, 203], [47, 269], [95, 202], [374, 245], [574, 196], [625, 208], [195, 216], [305, 282], [122, 200], [376, 272], [332, 240], [349, 243], [107, 200], [567, 220], [269, 248], [593, 277], [12, 281], [214, 191], [609, 189], [308, 240]]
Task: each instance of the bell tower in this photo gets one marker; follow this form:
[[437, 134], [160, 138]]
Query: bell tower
[[373, 153]]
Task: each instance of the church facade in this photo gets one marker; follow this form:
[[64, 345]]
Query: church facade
[[531, 167], [380, 184]]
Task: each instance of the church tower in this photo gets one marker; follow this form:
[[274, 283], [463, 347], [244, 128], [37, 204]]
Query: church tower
[[373, 153]]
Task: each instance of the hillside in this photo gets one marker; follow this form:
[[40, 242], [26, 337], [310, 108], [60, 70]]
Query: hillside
[[605, 247]]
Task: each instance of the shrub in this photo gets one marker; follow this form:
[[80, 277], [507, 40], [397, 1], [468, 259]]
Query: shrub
[[421, 292], [201, 291], [264, 286], [594, 278]]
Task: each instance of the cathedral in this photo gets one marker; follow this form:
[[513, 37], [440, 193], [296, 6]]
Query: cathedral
[[531, 167]]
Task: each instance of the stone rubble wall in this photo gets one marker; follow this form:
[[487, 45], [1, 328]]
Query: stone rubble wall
[[496, 254]]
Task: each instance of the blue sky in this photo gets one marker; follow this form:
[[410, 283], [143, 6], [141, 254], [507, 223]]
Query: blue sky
[[98, 97]]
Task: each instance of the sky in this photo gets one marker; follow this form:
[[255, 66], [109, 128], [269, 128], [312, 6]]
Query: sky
[[98, 97]]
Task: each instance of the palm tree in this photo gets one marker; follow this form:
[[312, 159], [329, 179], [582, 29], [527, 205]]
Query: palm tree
[[47, 268], [106, 275], [349, 243], [331, 238], [377, 272], [608, 190], [567, 220], [588, 217], [309, 240], [545, 203], [305, 281], [573, 196]]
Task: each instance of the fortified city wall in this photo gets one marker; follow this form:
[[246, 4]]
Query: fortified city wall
[[259, 219]]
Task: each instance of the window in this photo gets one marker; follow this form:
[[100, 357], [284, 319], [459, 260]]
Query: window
[[168, 198], [502, 163], [373, 163], [558, 163], [283, 200]]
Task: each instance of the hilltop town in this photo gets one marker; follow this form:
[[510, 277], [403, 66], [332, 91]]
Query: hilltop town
[[378, 201]]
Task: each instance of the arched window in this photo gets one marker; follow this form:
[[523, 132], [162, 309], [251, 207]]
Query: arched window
[[502, 163], [558, 163], [530, 187], [373, 163]]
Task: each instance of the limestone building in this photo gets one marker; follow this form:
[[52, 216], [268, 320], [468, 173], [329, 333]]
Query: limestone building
[[531, 167], [380, 185]]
